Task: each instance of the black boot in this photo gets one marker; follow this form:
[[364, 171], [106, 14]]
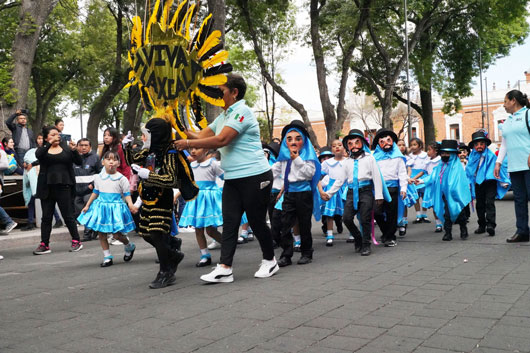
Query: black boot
[[463, 232], [174, 261], [480, 230], [284, 261], [163, 279], [447, 236]]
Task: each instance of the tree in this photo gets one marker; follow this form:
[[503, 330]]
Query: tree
[[218, 10]]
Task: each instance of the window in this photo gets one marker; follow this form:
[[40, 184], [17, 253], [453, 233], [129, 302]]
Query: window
[[454, 132], [414, 132]]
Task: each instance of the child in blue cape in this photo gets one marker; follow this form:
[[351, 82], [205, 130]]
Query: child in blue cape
[[484, 186], [300, 168], [449, 186]]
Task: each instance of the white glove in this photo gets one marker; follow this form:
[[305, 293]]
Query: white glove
[[142, 172], [127, 139]]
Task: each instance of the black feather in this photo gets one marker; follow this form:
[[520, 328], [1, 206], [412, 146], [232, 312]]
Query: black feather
[[212, 92], [181, 16], [218, 69], [206, 30], [210, 52]]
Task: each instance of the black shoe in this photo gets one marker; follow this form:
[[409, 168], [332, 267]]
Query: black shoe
[[175, 260], [480, 230], [106, 263], [518, 238], [402, 231], [463, 233], [284, 261], [58, 224], [491, 231], [175, 243], [366, 251], [129, 257], [447, 237], [417, 220], [339, 227], [29, 226], [304, 260], [426, 220], [439, 228], [163, 279], [358, 245], [201, 263]]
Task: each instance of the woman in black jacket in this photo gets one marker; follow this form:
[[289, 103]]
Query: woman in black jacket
[[56, 184]]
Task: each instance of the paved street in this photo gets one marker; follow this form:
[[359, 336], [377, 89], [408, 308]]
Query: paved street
[[420, 296]]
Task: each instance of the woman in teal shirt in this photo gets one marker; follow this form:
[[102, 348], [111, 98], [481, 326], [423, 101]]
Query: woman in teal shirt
[[248, 178], [515, 146]]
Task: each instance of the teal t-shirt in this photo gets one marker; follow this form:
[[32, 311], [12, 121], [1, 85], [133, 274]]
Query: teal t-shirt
[[243, 157], [517, 137]]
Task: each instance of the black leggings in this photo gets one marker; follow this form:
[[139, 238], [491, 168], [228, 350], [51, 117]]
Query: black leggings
[[62, 196], [250, 195]]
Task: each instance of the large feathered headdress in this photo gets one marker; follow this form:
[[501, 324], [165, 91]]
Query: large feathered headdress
[[172, 70]]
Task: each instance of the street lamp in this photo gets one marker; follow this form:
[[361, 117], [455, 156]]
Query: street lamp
[[407, 86]]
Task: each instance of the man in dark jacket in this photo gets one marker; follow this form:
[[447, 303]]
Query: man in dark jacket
[[22, 135], [84, 177]]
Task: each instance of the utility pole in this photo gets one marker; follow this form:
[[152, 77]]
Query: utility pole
[[487, 105], [407, 87], [480, 67], [80, 110]]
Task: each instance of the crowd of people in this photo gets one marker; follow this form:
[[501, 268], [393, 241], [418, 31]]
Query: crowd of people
[[127, 188]]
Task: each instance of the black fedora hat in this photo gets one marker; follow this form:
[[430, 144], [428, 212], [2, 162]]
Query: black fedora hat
[[479, 136], [449, 146], [353, 134], [324, 151], [463, 146], [382, 133], [296, 124], [273, 147]]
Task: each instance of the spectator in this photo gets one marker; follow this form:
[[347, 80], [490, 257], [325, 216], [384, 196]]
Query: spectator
[[13, 167], [22, 135], [84, 176], [4, 217], [515, 145], [111, 142], [59, 124]]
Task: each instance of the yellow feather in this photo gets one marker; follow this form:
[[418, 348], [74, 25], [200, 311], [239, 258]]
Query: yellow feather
[[165, 15], [219, 102], [176, 15], [203, 123], [152, 20], [216, 80], [203, 24], [218, 58], [213, 39], [190, 123], [136, 33], [187, 21]]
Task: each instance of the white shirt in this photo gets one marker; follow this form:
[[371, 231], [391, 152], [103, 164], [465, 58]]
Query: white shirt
[[367, 170], [431, 163], [418, 161], [208, 170], [394, 169], [300, 170], [333, 167], [277, 177]]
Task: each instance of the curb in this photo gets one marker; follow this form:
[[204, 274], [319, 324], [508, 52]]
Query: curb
[[17, 238]]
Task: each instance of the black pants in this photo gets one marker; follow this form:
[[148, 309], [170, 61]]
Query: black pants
[[272, 203], [460, 220], [276, 226], [163, 244], [365, 207], [386, 215], [297, 206], [250, 195], [62, 196], [485, 196], [521, 197]]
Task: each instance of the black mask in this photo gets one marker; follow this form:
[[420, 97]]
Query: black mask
[[445, 159], [355, 154]]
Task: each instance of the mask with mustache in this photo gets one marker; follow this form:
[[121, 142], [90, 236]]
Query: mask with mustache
[[356, 153]]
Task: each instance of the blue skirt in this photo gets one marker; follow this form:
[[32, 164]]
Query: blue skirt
[[335, 205], [206, 209], [108, 214]]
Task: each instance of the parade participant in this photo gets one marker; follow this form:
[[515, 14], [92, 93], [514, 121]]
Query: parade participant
[[365, 189], [84, 177], [402, 226], [323, 154], [484, 186], [300, 168], [160, 168], [56, 185], [434, 160], [463, 153], [449, 186], [106, 213], [248, 179], [4, 217], [416, 170], [334, 208], [391, 162], [22, 134], [204, 213], [515, 145]]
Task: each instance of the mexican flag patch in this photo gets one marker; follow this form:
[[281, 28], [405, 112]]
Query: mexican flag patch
[[239, 118]]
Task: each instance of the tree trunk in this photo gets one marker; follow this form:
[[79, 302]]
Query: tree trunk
[[129, 115], [119, 79], [218, 10], [33, 15], [428, 121]]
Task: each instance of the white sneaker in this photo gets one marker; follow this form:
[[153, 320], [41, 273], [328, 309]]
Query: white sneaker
[[10, 227], [115, 242], [250, 236], [219, 275], [267, 268], [1, 257], [214, 245]]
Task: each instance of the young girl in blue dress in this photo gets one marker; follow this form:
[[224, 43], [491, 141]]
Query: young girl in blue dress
[[205, 211], [106, 212], [416, 170]]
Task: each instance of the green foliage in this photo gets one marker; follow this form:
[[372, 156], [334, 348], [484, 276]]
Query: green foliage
[[9, 25]]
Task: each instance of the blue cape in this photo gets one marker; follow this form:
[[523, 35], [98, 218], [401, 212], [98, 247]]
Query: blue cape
[[454, 186], [485, 172], [379, 154], [307, 154]]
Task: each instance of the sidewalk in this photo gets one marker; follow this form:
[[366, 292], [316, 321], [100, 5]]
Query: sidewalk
[[18, 238]]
